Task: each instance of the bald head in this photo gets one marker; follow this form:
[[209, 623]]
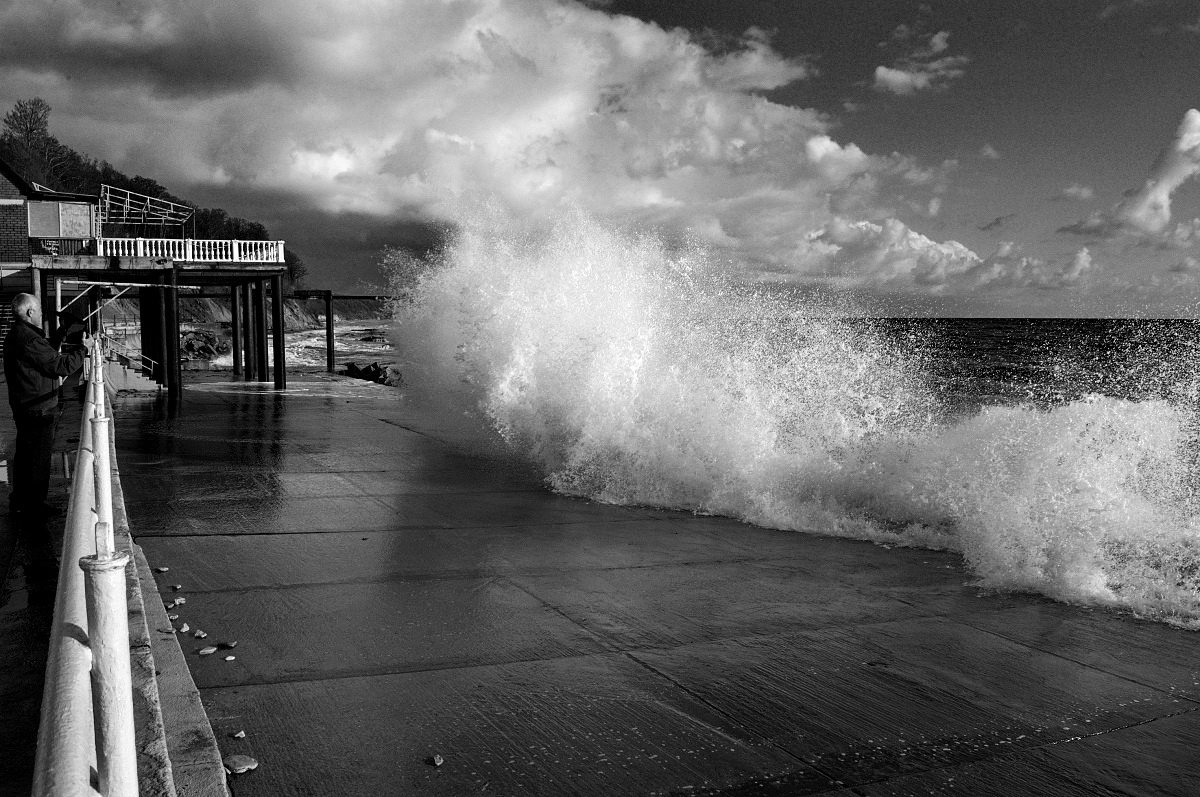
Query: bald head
[[26, 307]]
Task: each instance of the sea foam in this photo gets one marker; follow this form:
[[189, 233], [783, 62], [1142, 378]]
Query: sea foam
[[635, 372]]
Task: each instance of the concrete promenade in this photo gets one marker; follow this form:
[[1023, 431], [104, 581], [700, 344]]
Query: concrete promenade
[[395, 598]]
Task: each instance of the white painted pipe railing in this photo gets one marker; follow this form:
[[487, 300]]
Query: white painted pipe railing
[[86, 742]]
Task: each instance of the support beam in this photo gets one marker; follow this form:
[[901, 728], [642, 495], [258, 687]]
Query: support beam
[[173, 313], [277, 331], [330, 356], [235, 332]]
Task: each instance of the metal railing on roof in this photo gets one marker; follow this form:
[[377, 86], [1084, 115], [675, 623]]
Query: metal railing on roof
[[118, 206]]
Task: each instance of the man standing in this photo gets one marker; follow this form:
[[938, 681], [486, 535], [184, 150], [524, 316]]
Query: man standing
[[31, 367]]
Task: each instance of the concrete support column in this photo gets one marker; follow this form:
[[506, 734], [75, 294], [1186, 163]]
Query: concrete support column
[[235, 332], [330, 356], [260, 330], [176, 367], [164, 346], [171, 338], [247, 322], [277, 331]]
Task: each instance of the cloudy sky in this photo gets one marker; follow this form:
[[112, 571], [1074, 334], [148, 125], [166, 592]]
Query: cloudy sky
[[1005, 157]]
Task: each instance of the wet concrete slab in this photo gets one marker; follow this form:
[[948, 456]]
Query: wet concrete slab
[[585, 725], [338, 630], [878, 700], [397, 596], [213, 562]]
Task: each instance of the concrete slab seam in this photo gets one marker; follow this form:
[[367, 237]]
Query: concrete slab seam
[[765, 740], [1124, 677]]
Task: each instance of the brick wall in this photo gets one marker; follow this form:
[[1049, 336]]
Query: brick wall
[[14, 234], [7, 189]]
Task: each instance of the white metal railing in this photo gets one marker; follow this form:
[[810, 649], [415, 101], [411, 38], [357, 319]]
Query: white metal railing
[[192, 250], [87, 703]]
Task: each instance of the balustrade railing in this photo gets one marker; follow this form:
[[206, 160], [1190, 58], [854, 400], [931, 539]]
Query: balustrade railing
[[191, 250]]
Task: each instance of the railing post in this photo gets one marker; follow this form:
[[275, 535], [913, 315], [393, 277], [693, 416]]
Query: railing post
[[188, 249], [112, 683], [103, 468]]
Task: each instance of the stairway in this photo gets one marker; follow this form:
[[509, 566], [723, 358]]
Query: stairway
[[119, 376]]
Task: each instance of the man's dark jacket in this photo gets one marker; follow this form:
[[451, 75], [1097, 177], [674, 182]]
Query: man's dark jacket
[[31, 366]]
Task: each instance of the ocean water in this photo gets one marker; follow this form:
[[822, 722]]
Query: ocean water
[[360, 341], [1058, 456]]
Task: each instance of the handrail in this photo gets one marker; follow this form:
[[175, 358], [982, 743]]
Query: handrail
[[87, 703], [121, 350]]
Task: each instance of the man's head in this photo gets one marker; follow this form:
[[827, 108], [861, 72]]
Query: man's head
[[26, 307]]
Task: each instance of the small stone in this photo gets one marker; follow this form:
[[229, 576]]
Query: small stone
[[237, 764], [172, 617], [239, 735], [161, 569], [183, 629], [208, 651], [230, 658], [227, 645], [176, 587], [170, 605], [180, 601], [200, 634], [435, 760]]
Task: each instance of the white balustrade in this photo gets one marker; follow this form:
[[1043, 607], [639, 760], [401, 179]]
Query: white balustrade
[[191, 250]]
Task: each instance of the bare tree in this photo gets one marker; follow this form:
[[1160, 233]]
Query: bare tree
[[26, 132]]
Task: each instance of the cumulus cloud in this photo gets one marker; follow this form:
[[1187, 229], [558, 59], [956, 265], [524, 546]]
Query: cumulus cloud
[[1146, 211], [373, 107], [925, 68], [988, 152], [860, 254], [1149, 209], [402, 110]]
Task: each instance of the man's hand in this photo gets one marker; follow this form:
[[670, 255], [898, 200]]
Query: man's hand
[[87, 340]]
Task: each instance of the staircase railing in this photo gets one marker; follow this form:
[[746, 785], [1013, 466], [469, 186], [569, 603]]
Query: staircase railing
[[133, 359]]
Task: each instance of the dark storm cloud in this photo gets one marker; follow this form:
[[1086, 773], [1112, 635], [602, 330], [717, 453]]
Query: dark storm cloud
[[176, 49]]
